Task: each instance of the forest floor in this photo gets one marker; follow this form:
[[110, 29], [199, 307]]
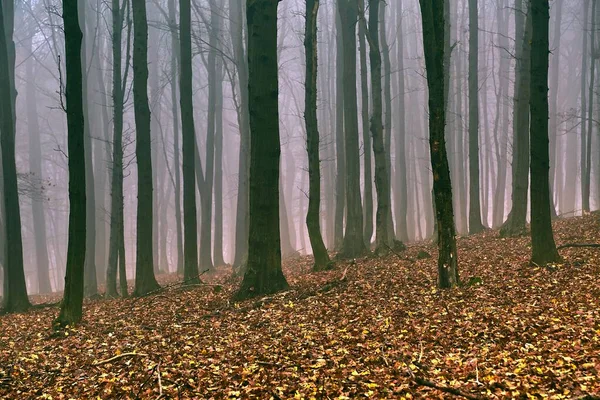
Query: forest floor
[[374, 327]]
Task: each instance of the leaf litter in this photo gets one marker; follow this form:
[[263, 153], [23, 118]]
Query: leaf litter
[[372, 327]]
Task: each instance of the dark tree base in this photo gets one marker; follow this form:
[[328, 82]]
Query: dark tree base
[[258, 283]]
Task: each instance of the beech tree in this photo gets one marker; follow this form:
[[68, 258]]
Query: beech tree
[[543, 248], [15, 291], [263, 272], [312, 138], [71, 306], [432, 16], [145, 280]]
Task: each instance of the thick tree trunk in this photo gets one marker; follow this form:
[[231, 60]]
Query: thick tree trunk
[[312, 138], [190, 250], [353, 244], [35, 166], [543, 248], [145, 280], [15, 290], [432, 16], [71, 306], [586, 173], [263, 273]]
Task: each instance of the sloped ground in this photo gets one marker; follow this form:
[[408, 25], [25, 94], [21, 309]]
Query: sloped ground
[[384, 331]]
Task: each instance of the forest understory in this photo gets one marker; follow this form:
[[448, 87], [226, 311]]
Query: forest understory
[[373, 327]]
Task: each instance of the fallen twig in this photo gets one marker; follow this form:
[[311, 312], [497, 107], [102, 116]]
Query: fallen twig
[[578, 245], [118, 357], [445, 389]]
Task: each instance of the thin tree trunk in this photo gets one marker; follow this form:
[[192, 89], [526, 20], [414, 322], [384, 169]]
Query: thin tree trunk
[[71, 306], [584, 65], [432, 15], [340, 155], [35, 165]]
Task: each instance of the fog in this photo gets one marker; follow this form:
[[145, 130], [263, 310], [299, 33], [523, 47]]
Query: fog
[[218, 109]]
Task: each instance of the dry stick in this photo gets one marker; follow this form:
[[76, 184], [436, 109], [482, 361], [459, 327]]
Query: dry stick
[[160, 386], [579, 245], [117, 357], [445, 389], [399, 255]]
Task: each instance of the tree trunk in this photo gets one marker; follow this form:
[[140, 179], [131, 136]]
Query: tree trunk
[[15, 289], [190, 250], [71, 306], [382, 240], [364, 90], [517, 218], [353, 244], [312, 139], [218, 240], [387, 121], [145, 280], [35, 166], [116, 236], [475, 224], [236, 27], [263, 273], [553, 104], [543, 248], [586, 173], [585, 189], [432, 15], [173, 69], [340, 157]]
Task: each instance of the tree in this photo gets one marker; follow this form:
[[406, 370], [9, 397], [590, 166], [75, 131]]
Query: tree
[[543, 248], [35, 166], [145, 280], [475, 224], [312, 138], [517, 218], [236, 27], [353, 244], [263, 272], [585, 191], [340, 158], [364, 91], [116, 252], [71, 306], [432, 16], [15, 290], [382, 238], [190, 234]]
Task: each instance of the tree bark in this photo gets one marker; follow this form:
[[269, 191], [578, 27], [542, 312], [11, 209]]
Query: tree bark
[[263, 273], [15, 290], [190, 250], [145, 280], [585, 190], [543, 248], [312, 139], [353, 244], [475, 224], [432, 16], [71, 306]]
